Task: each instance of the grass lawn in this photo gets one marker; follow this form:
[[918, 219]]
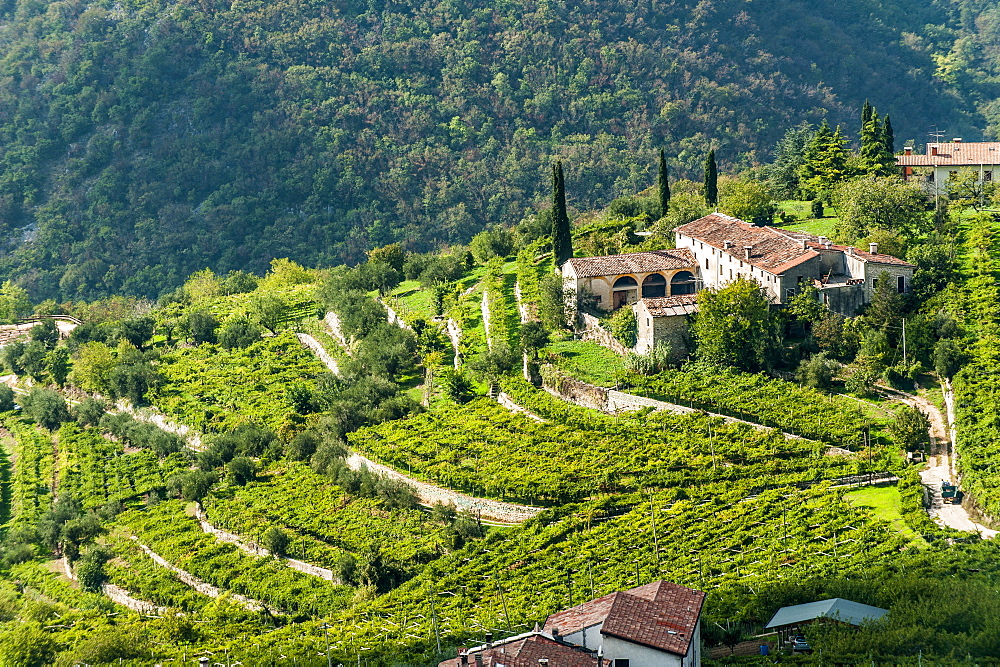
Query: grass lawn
[[587, 361], [802, 210], [884, 502]]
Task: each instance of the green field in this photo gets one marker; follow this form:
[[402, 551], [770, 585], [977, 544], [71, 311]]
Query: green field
[[884, 502]]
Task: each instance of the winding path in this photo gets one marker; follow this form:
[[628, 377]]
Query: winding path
[[939, 466]]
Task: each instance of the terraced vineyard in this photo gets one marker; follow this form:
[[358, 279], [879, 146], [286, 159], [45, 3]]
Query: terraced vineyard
[[484, 449], [324, 523], [213, 389], [173, 533], [713, 538], [34, 471], [95, 469], [759, 399]]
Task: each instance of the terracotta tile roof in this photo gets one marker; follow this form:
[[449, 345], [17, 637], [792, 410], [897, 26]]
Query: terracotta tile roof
[[769, 248], [582, 616], [636, 262], [526, 651], [661, 615], [876, 258], [952, 153], [667, 306]]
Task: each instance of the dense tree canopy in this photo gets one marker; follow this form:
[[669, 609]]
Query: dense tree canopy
[[143, 143]]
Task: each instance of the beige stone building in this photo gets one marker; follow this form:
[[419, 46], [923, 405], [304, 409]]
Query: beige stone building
[[661, 286]]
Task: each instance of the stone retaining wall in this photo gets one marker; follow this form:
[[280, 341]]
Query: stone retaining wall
[[122, 597], [257, 550], [455, 335], [508, 402], [394, 317], [593, 331], [429, 494], [320, 351], [201, 586]]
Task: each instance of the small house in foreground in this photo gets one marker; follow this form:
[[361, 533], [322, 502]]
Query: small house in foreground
[[788, 621], [655, 625]]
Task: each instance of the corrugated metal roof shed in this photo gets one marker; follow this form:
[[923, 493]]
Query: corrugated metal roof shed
[[846, 611]]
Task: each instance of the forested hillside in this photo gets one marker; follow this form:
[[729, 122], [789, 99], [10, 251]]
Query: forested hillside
[[143, 140]]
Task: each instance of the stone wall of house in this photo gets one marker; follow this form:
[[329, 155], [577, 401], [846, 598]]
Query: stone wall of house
[[674, 331]]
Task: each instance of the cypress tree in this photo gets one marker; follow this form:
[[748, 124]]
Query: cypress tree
[[889, 136], [711, 179], [663, 185], [866, 115], [562, 240]]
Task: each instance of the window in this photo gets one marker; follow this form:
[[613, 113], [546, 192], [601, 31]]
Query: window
[[900, 284], [826, 299], [987, 176], [789, 292], [620, 662], [874, 283], [706, 262]]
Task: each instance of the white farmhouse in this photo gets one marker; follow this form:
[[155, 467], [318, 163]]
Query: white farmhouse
[[782, 261], [656, 625], [943, 161]]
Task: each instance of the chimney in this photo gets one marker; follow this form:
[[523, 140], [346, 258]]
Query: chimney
[[827, 244], [822, 240], [543, 662], [463, 658], [746, 252], [850, 251], [873, 248], [934, 149], [727, 245], [489, 640], [479, 659], [957, 140], [805, 243], [555, 634], [203, 661], [908, 150]]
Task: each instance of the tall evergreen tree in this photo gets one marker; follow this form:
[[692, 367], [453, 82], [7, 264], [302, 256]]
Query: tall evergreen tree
[[663, 185], [562, 240], [866, 115], [711, 179], [888, 136], [824, 162], [875, 159]]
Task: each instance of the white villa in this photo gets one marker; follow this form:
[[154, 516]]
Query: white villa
[[661, 285], [941, 161]]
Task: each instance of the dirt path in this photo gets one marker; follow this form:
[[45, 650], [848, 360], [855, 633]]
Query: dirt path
[[939, 465]]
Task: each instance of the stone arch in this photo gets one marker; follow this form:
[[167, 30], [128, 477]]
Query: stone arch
[[682, 282], [624, 291], [654, 285]]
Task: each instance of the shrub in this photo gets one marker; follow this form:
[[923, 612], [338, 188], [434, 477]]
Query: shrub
[[817, 371], [46, 408], [624, 326], [6, 398], [276, 541], [817, 208]]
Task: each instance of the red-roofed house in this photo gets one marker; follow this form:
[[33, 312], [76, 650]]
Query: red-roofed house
[[933, 169], [782, 261], [656, 624]]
